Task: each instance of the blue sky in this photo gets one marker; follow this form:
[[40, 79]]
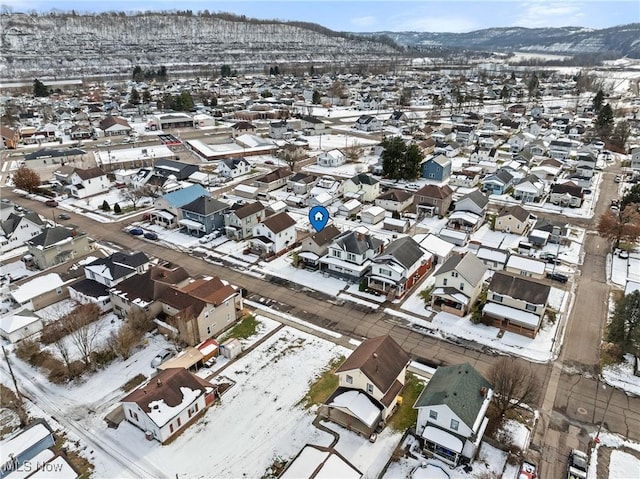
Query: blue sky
[[373, 15]]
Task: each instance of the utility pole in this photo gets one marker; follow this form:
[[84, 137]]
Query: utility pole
[[604, 414], [15, 382]]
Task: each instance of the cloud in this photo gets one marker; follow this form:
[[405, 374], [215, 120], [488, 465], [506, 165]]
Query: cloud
[[549, 14], [364, 22]]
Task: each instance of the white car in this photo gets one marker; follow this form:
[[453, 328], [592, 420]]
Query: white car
[[578, 465], [161, 357]]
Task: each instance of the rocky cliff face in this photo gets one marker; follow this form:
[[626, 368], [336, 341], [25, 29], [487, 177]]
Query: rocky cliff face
[[622, 40], [68, 45]]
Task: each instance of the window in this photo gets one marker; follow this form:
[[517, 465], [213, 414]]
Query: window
[[385, 272], [433, 415], [179, 422], [370, 388], [335, 253], [454, 424], [171, 428], [497, 298], [461, 286], [349, 379], [351, 257], [208, 330], [530, 307], [444, 282], [59, 291], [454, 274]]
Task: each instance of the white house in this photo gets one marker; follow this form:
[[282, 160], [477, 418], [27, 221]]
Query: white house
[[89, 182], [32, 289], [528, 189], [332, 158], [168, 402], [452, 412], [19, 325], [635, 160], [274, 235], [458, 283], [349, 255], [365, 186], [368, 123], [234, 167], [17, 229]]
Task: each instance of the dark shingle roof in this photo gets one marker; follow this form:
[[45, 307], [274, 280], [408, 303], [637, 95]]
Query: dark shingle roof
[[279, 222], [395, 195], [519, 288], [459, 387], [122, 263], [326, 235], [364, 179], [516, 211], [405, 250], [434, 191], [357, 243], [478, 197], [89, 173], [205, 205], [380, 359], [244, 210], [51, 236]]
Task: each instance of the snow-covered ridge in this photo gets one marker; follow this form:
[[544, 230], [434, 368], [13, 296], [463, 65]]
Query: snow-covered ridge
[[114, 43]]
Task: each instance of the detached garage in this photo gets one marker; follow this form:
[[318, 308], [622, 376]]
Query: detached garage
[[373, 215]]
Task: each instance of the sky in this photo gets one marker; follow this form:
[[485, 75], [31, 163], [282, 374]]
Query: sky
[[384, 15]]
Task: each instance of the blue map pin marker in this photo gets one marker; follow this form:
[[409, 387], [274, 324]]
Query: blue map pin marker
[[318, 217]]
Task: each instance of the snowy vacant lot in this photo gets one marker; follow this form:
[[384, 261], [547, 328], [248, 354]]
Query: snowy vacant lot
[[258, 420]]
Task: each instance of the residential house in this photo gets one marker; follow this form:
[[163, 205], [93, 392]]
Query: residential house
[[39, 292], [458, 284], [104, 273], [331, 158], [17, 229], [493, 258], [18, 325], [201, 308], [202, 216], [516, 304], [395, 200], [497, 183], [362, 187], [55, 246], [546, 231], [349, 255], [373, 215], [10, 137], [437, 168], [274, 235], [273, 180], [165, 168], [525, 266], [24, 446], [467, 178], [513, 219], [279, 130], [566, 194], [301, 183], [168, 403], [234, 167], [433, 200], [316, 246], [167, 207], [80, 132], [439, 248], [168, 121], [311, 125], [560, 149], [517, 142], [398, 267], [240, 219], [369, 383], [529, 189], [368, 123], [140, 293], [469, 212], [465, 135], [115, 125], [241, 128], [586, 163], [317, 462], [88, 182], [449, 149], [452, 411]]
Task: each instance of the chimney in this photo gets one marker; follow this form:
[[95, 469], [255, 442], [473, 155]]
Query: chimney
[[359, 236], [483, 391], [159, 382]]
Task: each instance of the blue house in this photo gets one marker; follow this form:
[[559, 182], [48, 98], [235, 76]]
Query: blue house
[[25, 445], [437, 168], [203, 215], [167, 207], [497, 183]]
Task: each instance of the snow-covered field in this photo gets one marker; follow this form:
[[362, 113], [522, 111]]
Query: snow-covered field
[[258, 420]]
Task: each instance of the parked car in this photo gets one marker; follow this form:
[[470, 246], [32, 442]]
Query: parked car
[[562, 278], [161, 357], [618, 179], [64, 216], [528, 471], [578, 465], [623, 254], [51, 203], [136, 231], [151, 235]]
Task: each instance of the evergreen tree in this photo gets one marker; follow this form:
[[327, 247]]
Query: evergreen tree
[[105, 206], [162, 73], [146, 96], [624, 329], [39, 89], [604, 121], [116, 209], [598, 100], [316, 98], [399, 161], [620, 134], [134, 97], [225, 71], [138, 74]]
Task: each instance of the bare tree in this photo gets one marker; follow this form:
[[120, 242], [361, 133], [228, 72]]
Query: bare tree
[[83, 329], [134, 194], [623, 225], [291, 155], [353, 153], [124, 341], [26, 179], [514, 384]]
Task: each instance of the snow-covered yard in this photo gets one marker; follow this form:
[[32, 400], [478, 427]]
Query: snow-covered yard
[[621, 376], [622, 464]]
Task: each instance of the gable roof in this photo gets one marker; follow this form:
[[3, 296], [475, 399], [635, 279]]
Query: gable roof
[[396, 195], [244, 210], [380, 359], [51, 236], [459, 387], [277, 174], [13, 220], [405, 251], [326, 235], [434, 191], [357, 243], [89, 173], [211, 290], [363, 179], [110, 121], [167, 387], [478, 198], [205, 205], [279, 222], [568, 187], [467, 265], [185, 195], [151, 284], [119, 264], [182, 301], [516, 211], [519, 288], [232, 163]]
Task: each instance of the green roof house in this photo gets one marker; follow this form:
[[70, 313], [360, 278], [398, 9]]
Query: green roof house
[[452, 413]]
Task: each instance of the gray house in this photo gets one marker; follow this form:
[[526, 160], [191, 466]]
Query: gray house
[[203, 215]]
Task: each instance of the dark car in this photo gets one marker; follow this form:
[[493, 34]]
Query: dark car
[[136, 231], [64, 216], [578, 465], [562, 278], [51, 203], [151, 235]]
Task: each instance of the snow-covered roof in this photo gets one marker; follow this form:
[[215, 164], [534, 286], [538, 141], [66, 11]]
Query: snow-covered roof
[[434, 244], [61, 467], [36, 287], [374, 211], [492, 254], [516, 316], [525, 264], [15, 446], [443, 438], [359, 405], [320, 463], [15, 322], [161, 413]]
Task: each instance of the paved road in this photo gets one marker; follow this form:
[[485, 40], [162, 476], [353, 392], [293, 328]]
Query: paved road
[[573, 400]]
